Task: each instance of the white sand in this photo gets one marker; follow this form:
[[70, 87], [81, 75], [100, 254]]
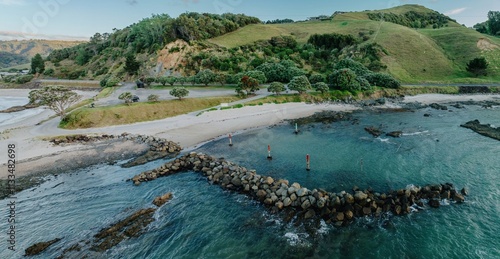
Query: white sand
[[188, 130]]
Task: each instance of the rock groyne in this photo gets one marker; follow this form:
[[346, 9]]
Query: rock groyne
[[278, 195]]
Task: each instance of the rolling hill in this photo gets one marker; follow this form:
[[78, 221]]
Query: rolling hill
[[413, 54], [15, 52]]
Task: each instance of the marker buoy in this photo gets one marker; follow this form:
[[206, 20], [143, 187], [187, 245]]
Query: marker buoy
[[269, 157], [308, 161]]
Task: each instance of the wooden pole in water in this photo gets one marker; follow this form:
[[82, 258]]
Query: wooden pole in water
[[269, 157], [230, 140], [308, 161], [296, 129]]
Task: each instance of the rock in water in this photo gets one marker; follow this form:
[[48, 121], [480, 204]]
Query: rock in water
[[395, 134], [39, 247], [434, 203], [374, 131], [159, 201]]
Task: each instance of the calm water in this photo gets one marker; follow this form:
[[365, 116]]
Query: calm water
[[203, 221], [10, 118]]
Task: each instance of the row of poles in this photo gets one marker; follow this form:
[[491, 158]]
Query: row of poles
[[269, 157]]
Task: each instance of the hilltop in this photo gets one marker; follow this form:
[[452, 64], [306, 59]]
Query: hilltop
[[13, 53], [410, 42]]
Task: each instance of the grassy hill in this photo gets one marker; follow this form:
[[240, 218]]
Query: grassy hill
[[20, 52], [413, 55]]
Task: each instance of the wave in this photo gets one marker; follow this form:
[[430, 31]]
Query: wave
[[416, 133]]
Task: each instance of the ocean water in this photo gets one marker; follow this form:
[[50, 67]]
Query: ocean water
[[11, 118], [204, 221]]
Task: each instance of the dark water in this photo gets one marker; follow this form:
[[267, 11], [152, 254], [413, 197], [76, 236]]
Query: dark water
[[203, 221]]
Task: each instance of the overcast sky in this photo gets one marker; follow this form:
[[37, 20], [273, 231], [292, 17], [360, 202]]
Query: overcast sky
[[80, 19]]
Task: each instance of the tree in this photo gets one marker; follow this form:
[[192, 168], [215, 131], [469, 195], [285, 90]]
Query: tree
[[300, 84], [181, 80], [321, 87], [247, 85], [179, 92], [276, 87], [149, 80], [494, 22], [131, 65], [316, 78], [205, 77], [171, 80], [153, 98], [162, 80], [127, 97], [37, 64], [478, 66], [57, 98], [345, 79]]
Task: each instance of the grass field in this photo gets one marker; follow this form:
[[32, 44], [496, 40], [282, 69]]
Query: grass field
[[138, 112], [18, 67]]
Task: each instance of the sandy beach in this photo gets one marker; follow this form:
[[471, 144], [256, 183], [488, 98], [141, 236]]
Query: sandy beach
[[189, 130]]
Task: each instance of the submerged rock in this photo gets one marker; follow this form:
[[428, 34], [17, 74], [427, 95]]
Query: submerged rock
[[395, 134], [376, 132], [438, 106], [38, 248]]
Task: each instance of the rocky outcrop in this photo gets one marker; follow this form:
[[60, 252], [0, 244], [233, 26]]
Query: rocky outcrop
[[395, 134], [483, 129], [438, 106], [376, 132], [324, 117], [279, 195], [132, 226], [39, 247], [160, 200]]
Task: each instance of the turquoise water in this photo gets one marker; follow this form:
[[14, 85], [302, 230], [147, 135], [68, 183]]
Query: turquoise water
[[204, 221]]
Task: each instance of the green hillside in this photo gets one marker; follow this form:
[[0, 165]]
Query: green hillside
[[413, 55]]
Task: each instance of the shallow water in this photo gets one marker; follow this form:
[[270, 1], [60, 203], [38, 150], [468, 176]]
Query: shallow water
[[11, 118], [204, 221]]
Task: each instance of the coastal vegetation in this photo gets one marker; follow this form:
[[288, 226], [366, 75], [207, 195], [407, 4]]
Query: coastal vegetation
[[137, 112]]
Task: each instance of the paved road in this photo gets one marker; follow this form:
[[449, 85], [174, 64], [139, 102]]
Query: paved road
[[164, 94]]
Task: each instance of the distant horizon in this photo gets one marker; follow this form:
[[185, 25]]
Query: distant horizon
[[71, 20]]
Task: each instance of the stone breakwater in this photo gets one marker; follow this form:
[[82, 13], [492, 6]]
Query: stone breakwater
[[155, 144], [158, 147], [279, 195]]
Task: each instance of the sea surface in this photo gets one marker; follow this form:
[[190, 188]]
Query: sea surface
[[204, 221], [11, 118]]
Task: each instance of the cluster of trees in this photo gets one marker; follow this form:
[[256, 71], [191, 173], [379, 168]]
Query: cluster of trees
[[332, 41], [195, 26], [152, 34], [491, 26], [352, 76], [413, 19], [37, 64], [280, 21], [8, 59]]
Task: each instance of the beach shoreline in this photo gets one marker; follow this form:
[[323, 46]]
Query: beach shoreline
[[191, 131]]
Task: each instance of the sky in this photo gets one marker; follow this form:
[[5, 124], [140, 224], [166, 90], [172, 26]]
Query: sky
[[80, 19]]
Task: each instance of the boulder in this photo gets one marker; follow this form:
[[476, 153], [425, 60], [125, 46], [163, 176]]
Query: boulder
[[39, 247], [349, 214], [306, 204], [349, 198], [367, 211], [261, 194], [302, 192], [309, 214], [279, 205], [287, 202], [359, 195], [458, 197], [434, 203], [464, 191], [159, 201], [269, 181], [339, 216]]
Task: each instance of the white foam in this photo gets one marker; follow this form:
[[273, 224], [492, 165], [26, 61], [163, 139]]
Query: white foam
[[297, 239], [416, 133]]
